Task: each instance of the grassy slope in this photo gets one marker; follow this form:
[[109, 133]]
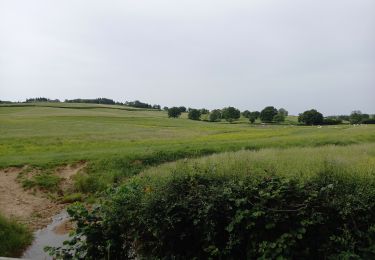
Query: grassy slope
[[41, 135], [357, 161]]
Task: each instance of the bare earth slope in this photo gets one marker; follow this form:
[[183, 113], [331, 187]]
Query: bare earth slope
[[32, 208]]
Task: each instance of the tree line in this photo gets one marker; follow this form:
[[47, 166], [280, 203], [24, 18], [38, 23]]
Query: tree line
[[106, 101], [270, 114]]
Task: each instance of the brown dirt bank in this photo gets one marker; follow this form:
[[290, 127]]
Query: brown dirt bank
[[32, 207]]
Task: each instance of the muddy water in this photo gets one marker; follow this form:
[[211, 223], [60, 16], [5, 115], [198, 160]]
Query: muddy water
[[52, 235]]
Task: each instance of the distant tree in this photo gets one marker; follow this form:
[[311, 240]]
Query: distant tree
[[230, 114], [204, 111], [279, 117], [39, 99], [246, 113], [138, 104], [174, 112], [283, 111], [344, 117], [365, 116], [311, 117], [194, 114], [156, 107], [331, 121], [182, 109], [355, 117], [254, 116], [165, 108], [268, 113], [215, 115]]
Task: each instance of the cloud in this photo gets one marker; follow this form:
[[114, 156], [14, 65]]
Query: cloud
[[248, 54]]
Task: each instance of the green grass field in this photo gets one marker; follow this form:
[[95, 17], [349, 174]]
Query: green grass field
[[44, 135]]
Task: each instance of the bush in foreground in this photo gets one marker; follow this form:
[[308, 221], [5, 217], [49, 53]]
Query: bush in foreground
[[14, 237], [243, 205]]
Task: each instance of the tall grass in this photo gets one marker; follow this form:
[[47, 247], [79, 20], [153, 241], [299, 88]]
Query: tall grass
[[14, 237], [357, 161]]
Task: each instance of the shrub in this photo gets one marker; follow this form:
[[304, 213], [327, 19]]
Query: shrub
[[204, 215], [331, 121]]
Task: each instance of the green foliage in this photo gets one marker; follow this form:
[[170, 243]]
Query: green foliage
[[230, 114], [174, 112], [204, 111], [92, 101], [355, 117], [267, 114], [182, 109], [14, 237], [279, 117], [331, 121], [197, 210], [246, 113], [254, 116], [215, 115], [73, 197], [283, 111], [311, 117], [194, 114], [46, 181]]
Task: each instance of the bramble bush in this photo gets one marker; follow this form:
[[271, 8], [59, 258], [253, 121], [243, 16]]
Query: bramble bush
[[205, 215]]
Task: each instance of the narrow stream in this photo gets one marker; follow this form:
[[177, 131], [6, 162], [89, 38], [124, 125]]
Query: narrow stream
[[52, 235]]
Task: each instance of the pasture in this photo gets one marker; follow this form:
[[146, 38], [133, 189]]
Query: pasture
[[51, 135]]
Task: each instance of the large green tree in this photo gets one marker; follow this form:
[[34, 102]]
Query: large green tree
[[174, 112], [215, 115], [194, 114], [355, 117], [311, 117], [268, 113], [231, 114]]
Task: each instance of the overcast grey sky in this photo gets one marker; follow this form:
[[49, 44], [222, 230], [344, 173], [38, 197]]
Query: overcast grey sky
[[297, 54]]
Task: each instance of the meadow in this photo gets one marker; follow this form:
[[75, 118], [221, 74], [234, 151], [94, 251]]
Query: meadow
[[44, 136], [119, 142]]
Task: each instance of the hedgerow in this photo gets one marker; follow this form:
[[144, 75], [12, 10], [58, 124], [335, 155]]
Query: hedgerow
[[204, 215]]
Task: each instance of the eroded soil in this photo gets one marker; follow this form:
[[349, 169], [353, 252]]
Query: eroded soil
[[32, 207]]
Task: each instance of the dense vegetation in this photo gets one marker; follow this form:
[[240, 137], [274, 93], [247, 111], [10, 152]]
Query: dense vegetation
[[14, 237], [106, 101], [296, 203]]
